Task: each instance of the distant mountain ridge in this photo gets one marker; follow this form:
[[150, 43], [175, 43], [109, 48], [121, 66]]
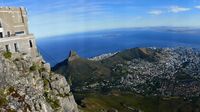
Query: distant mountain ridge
[[144, 79], [165, 71]]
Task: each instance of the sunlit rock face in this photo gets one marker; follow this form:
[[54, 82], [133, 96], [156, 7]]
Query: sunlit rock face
[[28, 86]]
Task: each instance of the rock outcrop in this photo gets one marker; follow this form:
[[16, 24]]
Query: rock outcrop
[[28, 85], [73, 56]]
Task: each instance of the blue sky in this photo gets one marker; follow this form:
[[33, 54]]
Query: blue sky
[[58, 17]]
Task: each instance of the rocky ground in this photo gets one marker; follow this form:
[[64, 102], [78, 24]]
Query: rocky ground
[[28, 85]]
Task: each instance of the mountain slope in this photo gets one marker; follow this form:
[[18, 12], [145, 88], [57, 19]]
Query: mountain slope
[[146, 79], [78, 70]]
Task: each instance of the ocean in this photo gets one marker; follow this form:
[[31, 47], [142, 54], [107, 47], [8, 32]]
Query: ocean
[[56, 49]]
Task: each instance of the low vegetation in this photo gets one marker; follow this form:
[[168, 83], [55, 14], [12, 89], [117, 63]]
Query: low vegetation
[[129, 102], [55, 103], [3, 100], [7, 55], [33, 68], [42, 69]]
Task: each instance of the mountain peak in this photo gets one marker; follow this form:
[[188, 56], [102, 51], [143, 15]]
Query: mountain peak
[[73, 55], [143, 50]]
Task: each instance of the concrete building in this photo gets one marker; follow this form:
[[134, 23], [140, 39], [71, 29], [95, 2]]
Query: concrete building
[[14, 33]]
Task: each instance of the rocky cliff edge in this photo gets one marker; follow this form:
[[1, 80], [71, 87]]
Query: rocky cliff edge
[[28, 85]]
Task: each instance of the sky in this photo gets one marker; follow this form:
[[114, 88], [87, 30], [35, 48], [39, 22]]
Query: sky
[[58, 17]]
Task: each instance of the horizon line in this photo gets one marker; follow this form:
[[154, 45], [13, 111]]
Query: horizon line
[[108, 29]]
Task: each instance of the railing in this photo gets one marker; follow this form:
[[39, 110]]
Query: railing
[[16, 37]]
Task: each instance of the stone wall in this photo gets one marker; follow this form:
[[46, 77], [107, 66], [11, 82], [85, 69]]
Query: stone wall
[[13, 21]]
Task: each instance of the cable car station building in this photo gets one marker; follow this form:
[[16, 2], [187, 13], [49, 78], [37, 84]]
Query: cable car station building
[[14, 33]]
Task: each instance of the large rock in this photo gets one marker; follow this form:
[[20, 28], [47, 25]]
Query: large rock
[[27, 86]]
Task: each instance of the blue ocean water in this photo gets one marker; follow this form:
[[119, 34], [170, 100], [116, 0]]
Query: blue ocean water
[[56, 49]]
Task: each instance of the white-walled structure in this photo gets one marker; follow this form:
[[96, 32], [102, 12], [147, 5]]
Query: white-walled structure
[[14, 33]]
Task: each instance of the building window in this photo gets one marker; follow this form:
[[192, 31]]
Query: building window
[[31, 44], [1, 34], [19, 33], [16, 47], [8, 33], [7, 48]]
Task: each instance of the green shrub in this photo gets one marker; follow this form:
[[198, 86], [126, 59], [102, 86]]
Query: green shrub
[[46, 82], [42, 69], [7, 55], [11, 110], [11, 90], [46, 85], [65, 95], [55, 103], [3, 100], [33, 67]]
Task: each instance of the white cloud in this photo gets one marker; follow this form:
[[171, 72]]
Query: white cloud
[[177, 9], [197, 7], [155, 12]]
